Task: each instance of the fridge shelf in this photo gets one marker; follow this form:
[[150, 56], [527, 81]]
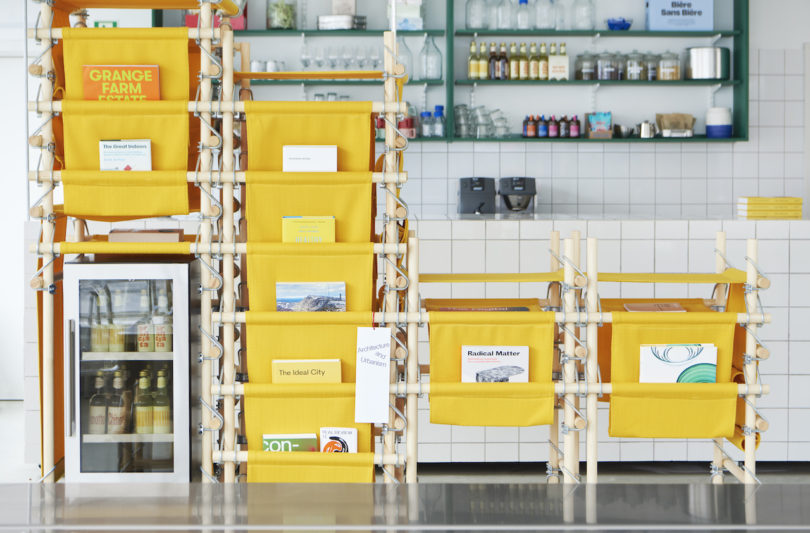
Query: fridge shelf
[[127, 438], [127, 356]]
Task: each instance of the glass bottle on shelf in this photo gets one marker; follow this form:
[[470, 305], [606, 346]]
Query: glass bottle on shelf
[[522, 16], [505, 15], [494, 65], [544, 15], [99, 330], [476, 14], [472, 62], [145, 328], [281, 14], [405, 57], [542, 62], [162, 324], [584, 15], [523, 63], [425, 124], [97, 412], [143, 405], [503, 61], [514, 62], [116, 409], [118, 329], [430, 60], [483, 62], [492, 13], [534, 63], [161, 408], [127, 395]]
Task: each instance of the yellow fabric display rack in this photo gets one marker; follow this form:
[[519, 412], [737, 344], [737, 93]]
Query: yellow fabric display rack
[[67, 135], [725, 409]]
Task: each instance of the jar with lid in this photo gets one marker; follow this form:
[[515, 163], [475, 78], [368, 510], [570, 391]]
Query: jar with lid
[[476, 14], [281, 14], [621, 66], [585, 67], [584, 15], [651, 61], [636, 67], [606, 67], [430, 61], [425, 124], [669, 67]]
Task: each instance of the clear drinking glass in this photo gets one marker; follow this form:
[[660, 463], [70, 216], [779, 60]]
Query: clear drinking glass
[[374, 57], [544, 15], [476, 14], [332, 55], [346, 57], [320, 57], [306, 57], [405, 57], [584, 15]]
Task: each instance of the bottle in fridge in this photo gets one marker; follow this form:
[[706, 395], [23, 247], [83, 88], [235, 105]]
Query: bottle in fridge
[[145, 328]]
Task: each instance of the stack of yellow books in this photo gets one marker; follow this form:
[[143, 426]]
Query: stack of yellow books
[[765, 208]]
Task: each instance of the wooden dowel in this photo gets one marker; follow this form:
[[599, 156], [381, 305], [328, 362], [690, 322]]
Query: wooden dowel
[[763, 283], [38, 283], [223, 457], [763, 353], [412, 400], [238, 389], [35, 69], [37, 211], [592, 362], [720, 302], [206, 106], [761, 424], [751, 368], [193, 33], [217, 178], [35, 141], [734, 469]]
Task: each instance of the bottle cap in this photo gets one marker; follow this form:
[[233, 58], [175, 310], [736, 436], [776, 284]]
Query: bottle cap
[[424, 114], [523, 2], [439, 109]]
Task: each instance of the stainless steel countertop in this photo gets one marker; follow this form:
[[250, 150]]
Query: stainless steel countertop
[[435, 507]]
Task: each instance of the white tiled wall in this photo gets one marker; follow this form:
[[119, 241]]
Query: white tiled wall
[[627, 246], [683, 180]]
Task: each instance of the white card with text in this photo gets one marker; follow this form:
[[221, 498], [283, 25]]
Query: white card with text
[[372, 384]]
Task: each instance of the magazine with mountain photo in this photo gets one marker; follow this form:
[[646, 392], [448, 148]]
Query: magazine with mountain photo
[[329, 296]]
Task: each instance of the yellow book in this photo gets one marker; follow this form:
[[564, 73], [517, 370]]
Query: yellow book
[[306, 371], [768, 201], [308, 230]]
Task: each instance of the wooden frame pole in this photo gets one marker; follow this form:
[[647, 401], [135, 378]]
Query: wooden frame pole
[[412, 404], [391, 303], [206, 230], [592, 363], [228, 258], [718, 461], [569, 372], [48, 231], [751, 367], [555, 300], [576, 237]]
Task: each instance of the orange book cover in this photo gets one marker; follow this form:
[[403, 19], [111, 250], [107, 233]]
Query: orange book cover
[[121, 82]]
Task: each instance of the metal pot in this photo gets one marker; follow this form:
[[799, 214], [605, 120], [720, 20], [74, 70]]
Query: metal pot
[[708, 63], [646, 130]]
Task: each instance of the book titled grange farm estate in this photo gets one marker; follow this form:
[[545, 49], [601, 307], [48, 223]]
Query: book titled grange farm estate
[[121, 82]]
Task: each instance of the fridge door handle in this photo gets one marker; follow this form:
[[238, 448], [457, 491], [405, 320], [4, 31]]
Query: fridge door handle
[[72, 388]]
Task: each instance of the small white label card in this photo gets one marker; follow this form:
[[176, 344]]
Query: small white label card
[[372, 387]]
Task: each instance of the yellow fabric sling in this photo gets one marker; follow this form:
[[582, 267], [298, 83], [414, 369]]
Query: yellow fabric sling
[[347, 125], [289, 409], [348, 196], [268, 264], [490, 404], [166, 48], [91, 193], [671, 410], [290, 336]]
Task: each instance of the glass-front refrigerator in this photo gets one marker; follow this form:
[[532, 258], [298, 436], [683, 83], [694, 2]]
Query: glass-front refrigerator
[[127, 372]]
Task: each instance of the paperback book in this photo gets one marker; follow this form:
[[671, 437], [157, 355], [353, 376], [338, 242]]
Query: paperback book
[[129, 154], [308, 230], [121, 82], [306, 371], [678, 363], [492, 364], [315, 296], [291, 442], [339, 440]]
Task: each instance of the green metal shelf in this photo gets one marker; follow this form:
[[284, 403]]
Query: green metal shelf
[[600, 33], [327, 33], [613, 83], [339, 82], [518, 138]]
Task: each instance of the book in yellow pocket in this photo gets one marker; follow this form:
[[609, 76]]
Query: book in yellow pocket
[[306, 371], [308, 230], [121, 82]]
